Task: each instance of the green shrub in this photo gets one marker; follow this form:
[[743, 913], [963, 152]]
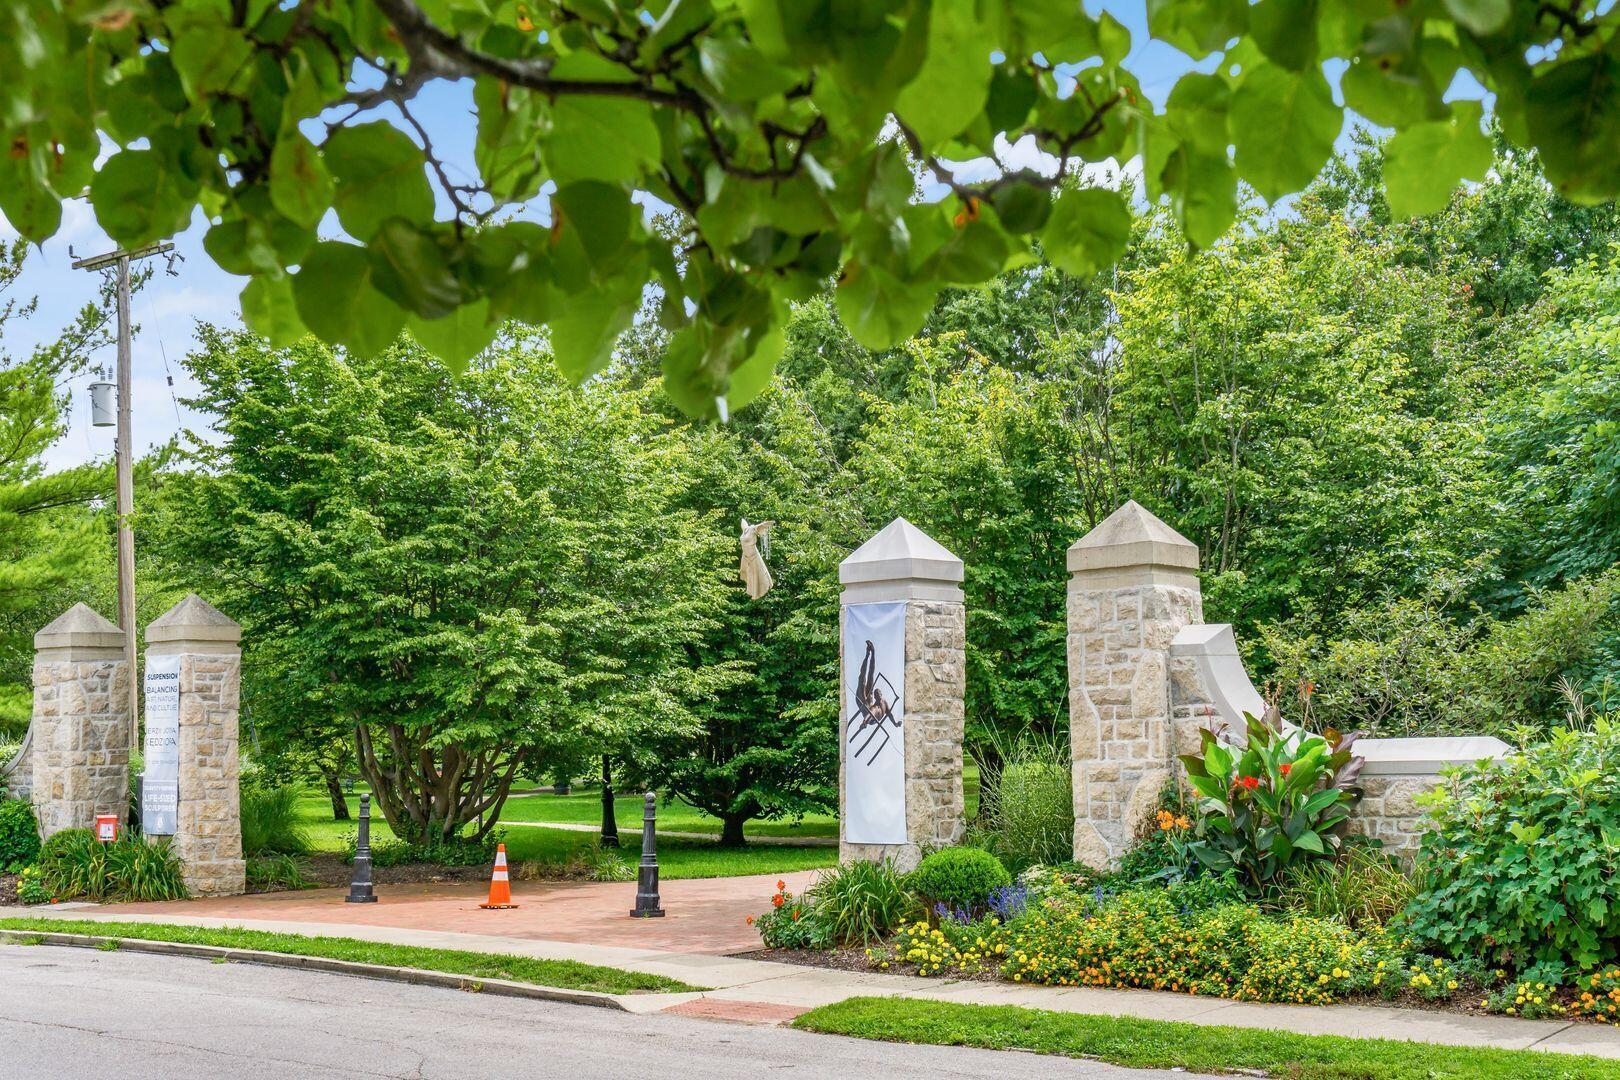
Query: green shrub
[[1364, 888], [270, 821], [458, 852], [75, 865], [268, 873], [1519, 865], [19, 836], [791, 923], [861, 903], [1276, 803], [959, 878]]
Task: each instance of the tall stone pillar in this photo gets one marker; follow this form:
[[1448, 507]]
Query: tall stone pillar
[[208, 839], [1133, 584], [903, 565], [79, 739]]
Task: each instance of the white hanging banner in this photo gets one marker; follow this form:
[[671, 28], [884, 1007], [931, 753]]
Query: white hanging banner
[[874, 749], [160, 780]]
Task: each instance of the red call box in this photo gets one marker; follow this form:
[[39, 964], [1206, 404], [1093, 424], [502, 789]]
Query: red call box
[[106, 828]]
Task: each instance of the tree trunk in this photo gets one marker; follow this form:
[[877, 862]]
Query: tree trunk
[[334, 791], [731, 831], [610, 819]]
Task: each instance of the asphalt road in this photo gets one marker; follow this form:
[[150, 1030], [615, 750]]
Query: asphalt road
[[127, 1016]]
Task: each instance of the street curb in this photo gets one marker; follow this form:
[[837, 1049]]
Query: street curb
[[382, 972]]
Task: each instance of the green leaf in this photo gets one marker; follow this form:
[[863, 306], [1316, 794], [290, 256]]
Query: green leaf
[[1203, 194], [1285, 30], [337, 300], [880, 310], [1197, 27], [300, 186], [1022, 207], [741, 72], [598, 138], [1396, 99], [1310, 841], [1011, 95], [1196, 112], [457, 337], [140, 196], [270, 311], [583, 332], [379, 174], [409, 265], [32, 210], [953, 84], [1283, 124], [1573, 115], [1087, 231], [1424, 164], [599, 215], [209, 56], [1480, 16]]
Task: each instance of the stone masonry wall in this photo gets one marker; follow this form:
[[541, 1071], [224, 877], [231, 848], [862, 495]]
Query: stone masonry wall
[[936, 682], [209, 837], [1120, 729], [80, 753], [17, 775], [1389, 811]]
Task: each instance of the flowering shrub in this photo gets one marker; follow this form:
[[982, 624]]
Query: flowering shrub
[[1519, 866], [31, 887], [969, 948], [791, 923], [1276, 803], [1598, 995]]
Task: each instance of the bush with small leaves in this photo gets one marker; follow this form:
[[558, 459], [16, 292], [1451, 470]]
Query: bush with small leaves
[[958, 879]]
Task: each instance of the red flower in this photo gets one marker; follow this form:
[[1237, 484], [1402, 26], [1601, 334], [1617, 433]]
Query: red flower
[[777, 900], [1284, 769], [750, 920], [780, 885], [1248, 783], [795, 914]]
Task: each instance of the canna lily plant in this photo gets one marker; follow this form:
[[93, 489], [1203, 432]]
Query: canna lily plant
[[1280, 801]]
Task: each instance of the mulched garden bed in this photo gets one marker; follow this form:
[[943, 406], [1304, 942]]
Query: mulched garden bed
[[8, 889]]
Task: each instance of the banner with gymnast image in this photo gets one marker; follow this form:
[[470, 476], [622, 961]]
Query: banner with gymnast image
[[873, 750]]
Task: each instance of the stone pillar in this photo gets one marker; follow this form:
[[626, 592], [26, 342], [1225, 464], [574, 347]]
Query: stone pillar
[[79, 738], [209, 837], [1133, 586], [903, 564]]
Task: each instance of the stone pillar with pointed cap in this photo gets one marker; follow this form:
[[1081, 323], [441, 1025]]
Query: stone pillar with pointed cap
[[209, 837], [1133, 585], [78, 742], [904, 564]]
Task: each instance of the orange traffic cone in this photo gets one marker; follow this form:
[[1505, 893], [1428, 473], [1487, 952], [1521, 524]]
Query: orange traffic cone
[[500, 884]]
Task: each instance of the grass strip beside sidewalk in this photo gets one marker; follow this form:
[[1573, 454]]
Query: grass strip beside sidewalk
[[562, 974], [1165, 1044]]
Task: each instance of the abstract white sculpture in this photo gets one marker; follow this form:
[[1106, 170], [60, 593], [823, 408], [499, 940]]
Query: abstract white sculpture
[[755, 574]]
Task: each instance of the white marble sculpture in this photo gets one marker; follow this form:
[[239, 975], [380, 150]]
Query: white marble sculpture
[[755, 574]]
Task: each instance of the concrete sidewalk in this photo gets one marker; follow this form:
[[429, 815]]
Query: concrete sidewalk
[[761, 991]]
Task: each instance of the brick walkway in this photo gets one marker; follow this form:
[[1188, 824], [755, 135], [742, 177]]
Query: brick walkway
[[706, 916]]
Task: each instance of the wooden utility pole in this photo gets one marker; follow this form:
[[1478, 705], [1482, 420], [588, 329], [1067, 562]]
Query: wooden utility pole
[[125, 467]]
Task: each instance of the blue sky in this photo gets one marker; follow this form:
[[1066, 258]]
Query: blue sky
[[168, 309]]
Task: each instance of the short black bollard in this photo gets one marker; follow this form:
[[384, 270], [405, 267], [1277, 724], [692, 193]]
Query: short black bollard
[[647, 906], [360, 887]]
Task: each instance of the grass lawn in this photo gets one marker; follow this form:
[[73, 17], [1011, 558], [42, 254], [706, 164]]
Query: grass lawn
[[676, 858], [565, 974], [1161, 1044]]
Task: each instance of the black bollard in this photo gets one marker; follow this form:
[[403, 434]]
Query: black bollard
[[647, 906], [360, 887], [610, 820]]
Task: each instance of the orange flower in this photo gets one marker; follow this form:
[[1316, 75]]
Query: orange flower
[[777, 900], [750, 920], [780, 885]]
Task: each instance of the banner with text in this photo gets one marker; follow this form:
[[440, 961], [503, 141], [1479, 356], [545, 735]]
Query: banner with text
[[160, 782], [874, 708]]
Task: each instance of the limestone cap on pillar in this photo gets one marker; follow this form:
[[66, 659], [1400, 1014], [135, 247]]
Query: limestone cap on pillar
[[900, 563], [79, 633], [1133, 547], [193, 626]]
